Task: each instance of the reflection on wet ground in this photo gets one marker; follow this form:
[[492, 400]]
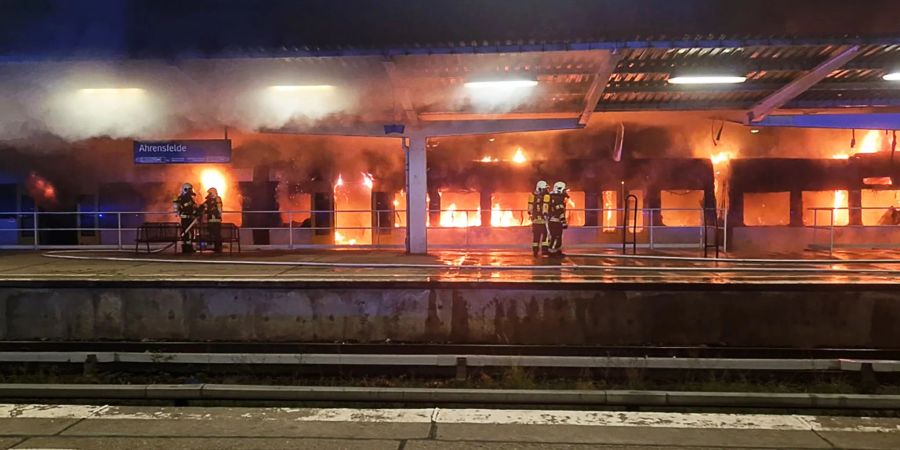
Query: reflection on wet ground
[[879, 266]]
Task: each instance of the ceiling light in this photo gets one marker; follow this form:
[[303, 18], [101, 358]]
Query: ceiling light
[[302, 88], [891, 76], [754, 130], [500, 84], [707, 79], [104, 91]]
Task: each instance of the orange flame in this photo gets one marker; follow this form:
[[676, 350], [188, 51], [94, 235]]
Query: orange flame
[[452, 218], [502, 218], [609, 206], [368, 180], [214, 178], [40, 190], [519, 157]]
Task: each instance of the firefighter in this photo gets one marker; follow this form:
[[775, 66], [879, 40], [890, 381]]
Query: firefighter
[[186, 208], [212, 207], [557, 217], [538, 208]]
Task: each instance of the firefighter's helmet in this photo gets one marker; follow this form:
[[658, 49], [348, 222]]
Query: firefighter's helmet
[[559, 187], [186, 187], [541, 186], [212, 191]]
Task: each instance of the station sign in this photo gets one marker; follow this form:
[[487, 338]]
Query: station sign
[[185, 151]]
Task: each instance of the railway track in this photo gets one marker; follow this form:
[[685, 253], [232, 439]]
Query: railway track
[[450, 349]]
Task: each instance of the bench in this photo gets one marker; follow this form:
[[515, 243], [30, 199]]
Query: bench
[[231, 234], [157, 232]]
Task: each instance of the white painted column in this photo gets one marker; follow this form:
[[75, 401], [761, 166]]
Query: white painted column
[[416, 190]]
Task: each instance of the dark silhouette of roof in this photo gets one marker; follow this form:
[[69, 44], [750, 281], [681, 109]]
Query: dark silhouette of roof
[[174, 28]]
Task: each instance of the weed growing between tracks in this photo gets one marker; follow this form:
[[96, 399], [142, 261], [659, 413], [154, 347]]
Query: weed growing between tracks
[[508, 378]]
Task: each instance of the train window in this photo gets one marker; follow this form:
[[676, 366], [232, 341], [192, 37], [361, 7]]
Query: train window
[[767, 209], [830, 204], [460, 209], [575, 215], [882, 199], [300, 203], [682, 208]]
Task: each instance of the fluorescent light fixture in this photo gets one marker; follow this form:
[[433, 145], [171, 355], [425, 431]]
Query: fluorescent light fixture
[[707, 79], [501, 84], [754, 130], [891, 76], [106, 91], [302, 88]]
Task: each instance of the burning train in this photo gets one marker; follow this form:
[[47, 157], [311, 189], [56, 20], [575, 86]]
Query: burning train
[[305, 193]]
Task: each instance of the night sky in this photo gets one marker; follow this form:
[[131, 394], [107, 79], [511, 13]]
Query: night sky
[[180, 28]]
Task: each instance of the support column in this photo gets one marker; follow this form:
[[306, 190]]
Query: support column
[[854, 200], [592, 200], [797, 208], [484, 202], [416, 190]]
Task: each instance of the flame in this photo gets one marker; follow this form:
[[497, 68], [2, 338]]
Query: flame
[[871, 142], [452, 218], [609, 211], [841, 156], [352, 211], [40, 190], [719, 158], [519, 157], [489, 159], [368, 180], [502, 218], [339, 239], [841, 216], [213, 178], [721, 173]]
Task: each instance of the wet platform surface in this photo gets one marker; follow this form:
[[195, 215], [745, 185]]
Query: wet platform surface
[[862, 267], [120, 427]]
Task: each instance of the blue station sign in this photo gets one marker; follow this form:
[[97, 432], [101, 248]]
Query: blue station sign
[[188, 151]]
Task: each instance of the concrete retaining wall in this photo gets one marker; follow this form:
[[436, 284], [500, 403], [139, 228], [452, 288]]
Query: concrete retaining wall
[[757, 316]]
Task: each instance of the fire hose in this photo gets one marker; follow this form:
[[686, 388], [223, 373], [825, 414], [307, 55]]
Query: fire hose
[[180, 237]]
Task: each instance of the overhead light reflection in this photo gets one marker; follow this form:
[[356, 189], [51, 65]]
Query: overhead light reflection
[[499, 84], [707, 79]]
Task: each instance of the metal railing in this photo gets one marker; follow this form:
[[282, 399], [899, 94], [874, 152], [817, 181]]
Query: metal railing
[[831, 226], [319, 228]]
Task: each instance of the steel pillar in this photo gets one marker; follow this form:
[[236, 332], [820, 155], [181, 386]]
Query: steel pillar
[[416, 191]]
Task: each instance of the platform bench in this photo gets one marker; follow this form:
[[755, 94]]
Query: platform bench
[[231, 234], [158, 232]]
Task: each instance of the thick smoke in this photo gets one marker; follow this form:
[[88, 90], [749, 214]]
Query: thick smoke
[[144, 99]]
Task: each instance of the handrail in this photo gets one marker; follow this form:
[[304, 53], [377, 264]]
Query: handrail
[[628, 201], [110, 229]]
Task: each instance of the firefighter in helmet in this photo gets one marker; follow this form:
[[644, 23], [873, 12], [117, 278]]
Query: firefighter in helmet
[[212, 207], [538, 208], [557, 217], [187, 210]]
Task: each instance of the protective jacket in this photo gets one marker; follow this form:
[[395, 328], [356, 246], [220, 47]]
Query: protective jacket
[[538, 206], [558, 207], [185, 205], [213, 208]]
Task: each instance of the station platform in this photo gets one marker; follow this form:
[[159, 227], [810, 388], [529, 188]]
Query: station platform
[[877, 266], [488, 297], [31, 426]]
